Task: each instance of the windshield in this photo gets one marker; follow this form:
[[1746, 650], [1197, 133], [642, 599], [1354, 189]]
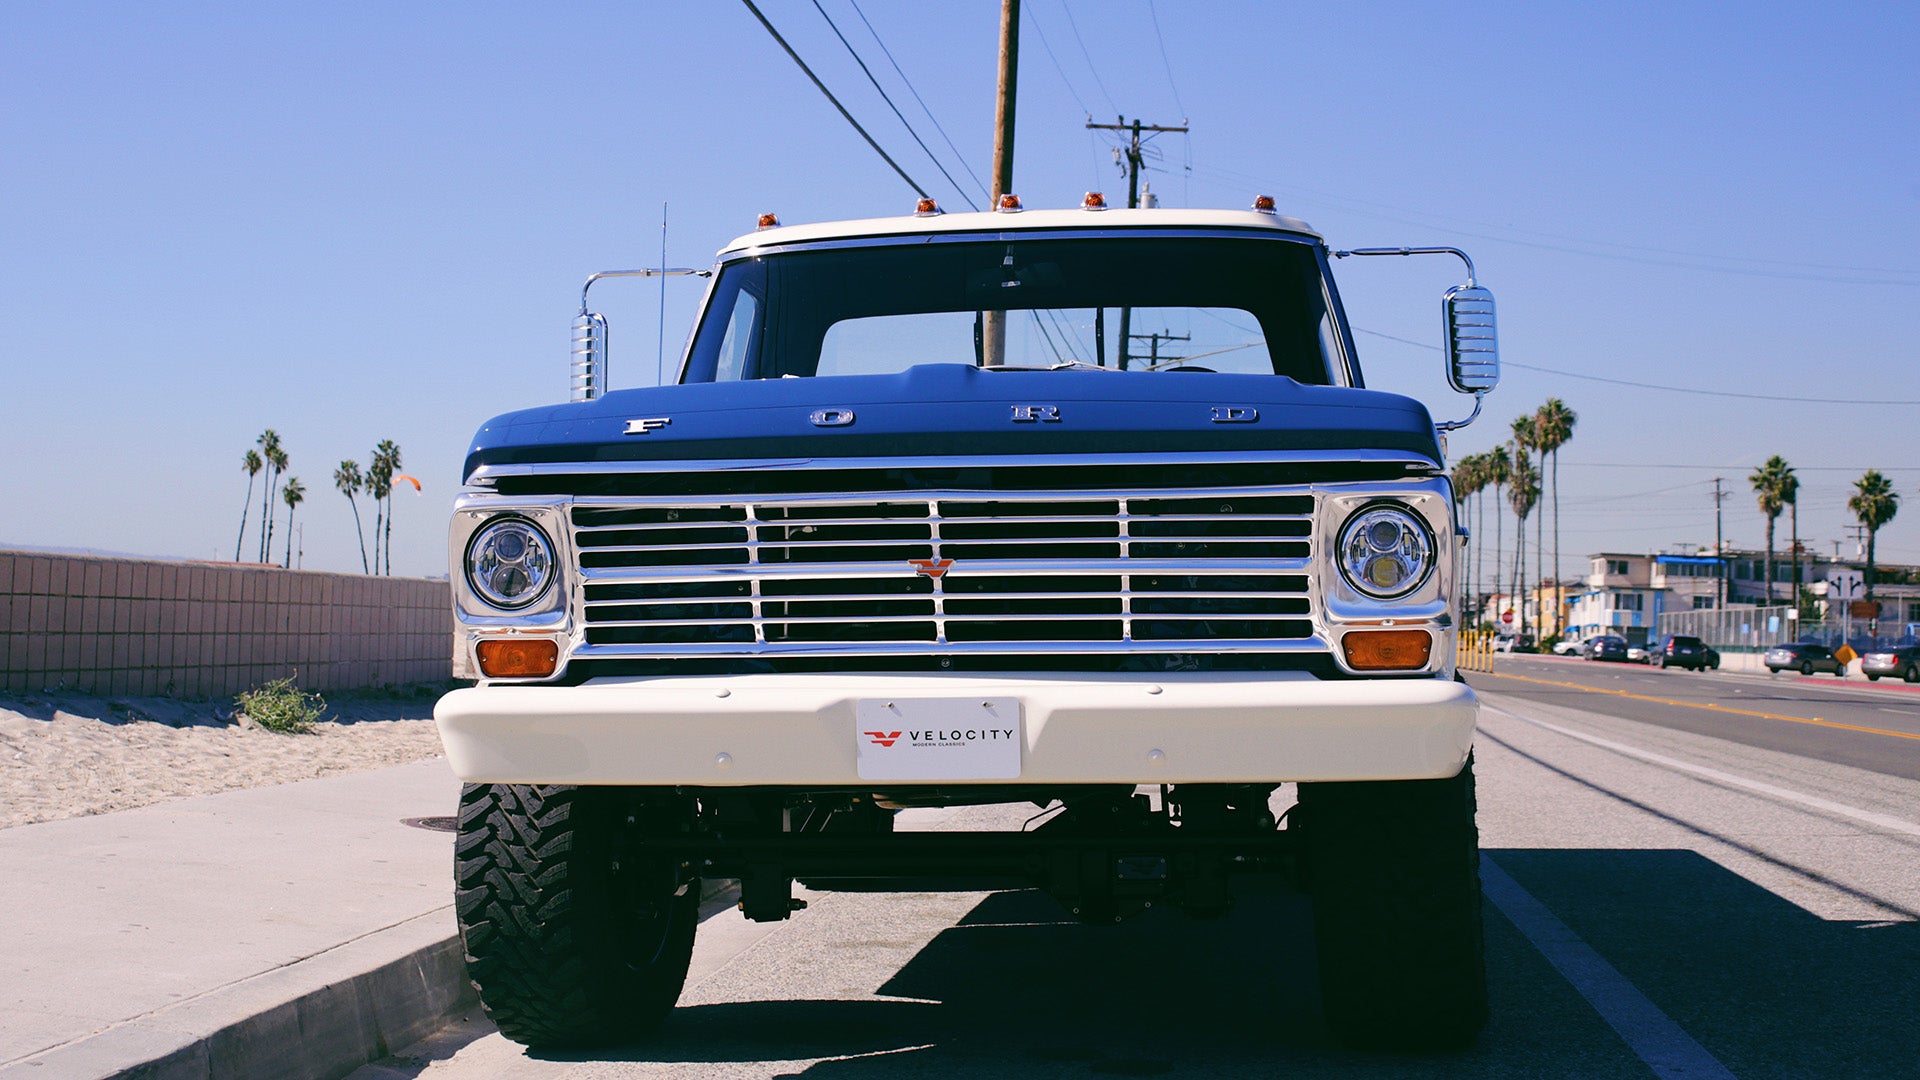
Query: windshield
[[1171, 304]]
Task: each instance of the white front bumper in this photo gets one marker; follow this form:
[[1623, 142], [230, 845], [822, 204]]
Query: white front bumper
[[801, 730]]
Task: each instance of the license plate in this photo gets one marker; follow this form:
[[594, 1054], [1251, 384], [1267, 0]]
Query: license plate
[[938, 738]]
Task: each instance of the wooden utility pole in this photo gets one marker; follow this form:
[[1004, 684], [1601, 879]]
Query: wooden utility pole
[[993, 329], [1003, 106], [1719, 544], [1134, 161]]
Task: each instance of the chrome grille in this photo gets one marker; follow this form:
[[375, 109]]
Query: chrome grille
[[1025, 572]]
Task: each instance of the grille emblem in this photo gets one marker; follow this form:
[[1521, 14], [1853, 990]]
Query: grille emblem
[[1027, 414], [831, 417], [652, 423], [1235, 414], [933, 568]]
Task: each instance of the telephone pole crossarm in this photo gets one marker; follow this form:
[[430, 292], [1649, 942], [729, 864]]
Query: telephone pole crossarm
[[1134, 163]]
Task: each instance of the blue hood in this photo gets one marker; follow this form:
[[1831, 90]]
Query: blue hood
[[940, 410]]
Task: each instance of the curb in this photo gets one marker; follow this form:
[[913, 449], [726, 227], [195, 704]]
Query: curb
[[317, 1019], [320, 1018]]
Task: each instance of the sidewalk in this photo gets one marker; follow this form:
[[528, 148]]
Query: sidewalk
[[298, 931]]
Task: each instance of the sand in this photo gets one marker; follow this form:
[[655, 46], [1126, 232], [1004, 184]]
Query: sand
[[68, 755]]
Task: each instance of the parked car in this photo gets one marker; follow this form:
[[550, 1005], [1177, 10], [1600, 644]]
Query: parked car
[[1569, 647], [1804, 657], [1638, 654], [1902, 662], [1606, 647], [1683, 651]]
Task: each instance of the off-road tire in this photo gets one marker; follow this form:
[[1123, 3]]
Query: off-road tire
[[1393, 868], [569, 942]]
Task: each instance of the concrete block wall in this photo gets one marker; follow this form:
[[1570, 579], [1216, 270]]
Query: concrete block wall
[[202, 629]]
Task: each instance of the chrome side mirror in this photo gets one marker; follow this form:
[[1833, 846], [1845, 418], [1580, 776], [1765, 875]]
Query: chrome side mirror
[[1473, 350], [589, 356], [590, 333]]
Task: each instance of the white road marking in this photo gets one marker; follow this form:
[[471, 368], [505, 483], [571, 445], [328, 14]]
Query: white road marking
[[1901, 712], [1869, 817], [1651, 1034]]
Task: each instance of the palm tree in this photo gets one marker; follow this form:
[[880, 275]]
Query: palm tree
[[1770, 483], [1524, 494], [1790, 495], [347, 478], [1466, 484], [1553, 425], [380, 470], [1526, 436], [1874, 502], [1474, 468], [252, 464], [293, 491], [277, 460], [269, 444], [1499, 471]]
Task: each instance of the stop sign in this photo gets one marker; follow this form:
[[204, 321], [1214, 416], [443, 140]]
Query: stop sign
[[1507, 616]]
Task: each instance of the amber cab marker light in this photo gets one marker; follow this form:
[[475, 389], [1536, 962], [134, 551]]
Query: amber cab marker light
[[927, 208], [1009, 204], [1264, 204], [518, 658], [1094, 201], [1387, 650], [769, 221]]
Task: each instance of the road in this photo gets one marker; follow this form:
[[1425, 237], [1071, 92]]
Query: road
[[1687, 877]]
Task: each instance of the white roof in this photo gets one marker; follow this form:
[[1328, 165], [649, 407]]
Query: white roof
[[999, 222]]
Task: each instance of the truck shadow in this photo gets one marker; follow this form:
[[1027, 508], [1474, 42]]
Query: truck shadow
[[1766, 987]]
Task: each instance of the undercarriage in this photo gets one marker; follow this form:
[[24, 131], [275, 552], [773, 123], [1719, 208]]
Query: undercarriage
[[1104, 852]]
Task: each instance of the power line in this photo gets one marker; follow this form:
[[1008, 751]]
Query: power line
[[1075, 27], [851, 51], [1713, 393], [1899, 278], [1164, 62], [1656, 386], [1071, 89], [916, 97], [922, 192], [1724, 468]]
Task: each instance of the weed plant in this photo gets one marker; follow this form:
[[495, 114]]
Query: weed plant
[[283, 707]]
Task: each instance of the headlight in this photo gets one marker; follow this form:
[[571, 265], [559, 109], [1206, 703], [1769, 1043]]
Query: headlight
[[1385, 551], [510, 563]]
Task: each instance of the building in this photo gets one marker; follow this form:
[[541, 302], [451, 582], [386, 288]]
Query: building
[[1619, 597], [1626, 593]]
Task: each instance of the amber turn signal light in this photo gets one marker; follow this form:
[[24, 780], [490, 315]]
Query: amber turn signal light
[[1387, 650], [518, 658]]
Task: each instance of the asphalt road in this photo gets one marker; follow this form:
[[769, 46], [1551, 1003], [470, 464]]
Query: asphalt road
[[1674, 890], [1872, 726]]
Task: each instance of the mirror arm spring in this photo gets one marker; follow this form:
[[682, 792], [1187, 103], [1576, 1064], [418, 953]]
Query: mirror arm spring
[[1455, 425]]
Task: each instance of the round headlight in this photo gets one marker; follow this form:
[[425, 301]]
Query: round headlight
[[510, 563], [1385, 551]]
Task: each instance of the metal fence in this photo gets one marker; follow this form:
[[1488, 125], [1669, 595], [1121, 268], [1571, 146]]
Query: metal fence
[[1753, 629]]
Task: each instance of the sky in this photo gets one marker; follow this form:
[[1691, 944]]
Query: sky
[[361, 221]]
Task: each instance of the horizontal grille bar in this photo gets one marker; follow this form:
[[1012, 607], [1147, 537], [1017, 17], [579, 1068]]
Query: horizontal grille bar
[[1021, 571]]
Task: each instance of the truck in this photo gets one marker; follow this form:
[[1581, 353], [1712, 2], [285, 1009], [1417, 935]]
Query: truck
[[1085, 510]]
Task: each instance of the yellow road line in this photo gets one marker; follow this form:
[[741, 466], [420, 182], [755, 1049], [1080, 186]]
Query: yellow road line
[[1712, 707]]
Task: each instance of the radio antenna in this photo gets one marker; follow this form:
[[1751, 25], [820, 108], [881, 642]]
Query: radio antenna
[[660, 356]]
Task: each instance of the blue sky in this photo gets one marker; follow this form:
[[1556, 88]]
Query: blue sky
[[352, 222]]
